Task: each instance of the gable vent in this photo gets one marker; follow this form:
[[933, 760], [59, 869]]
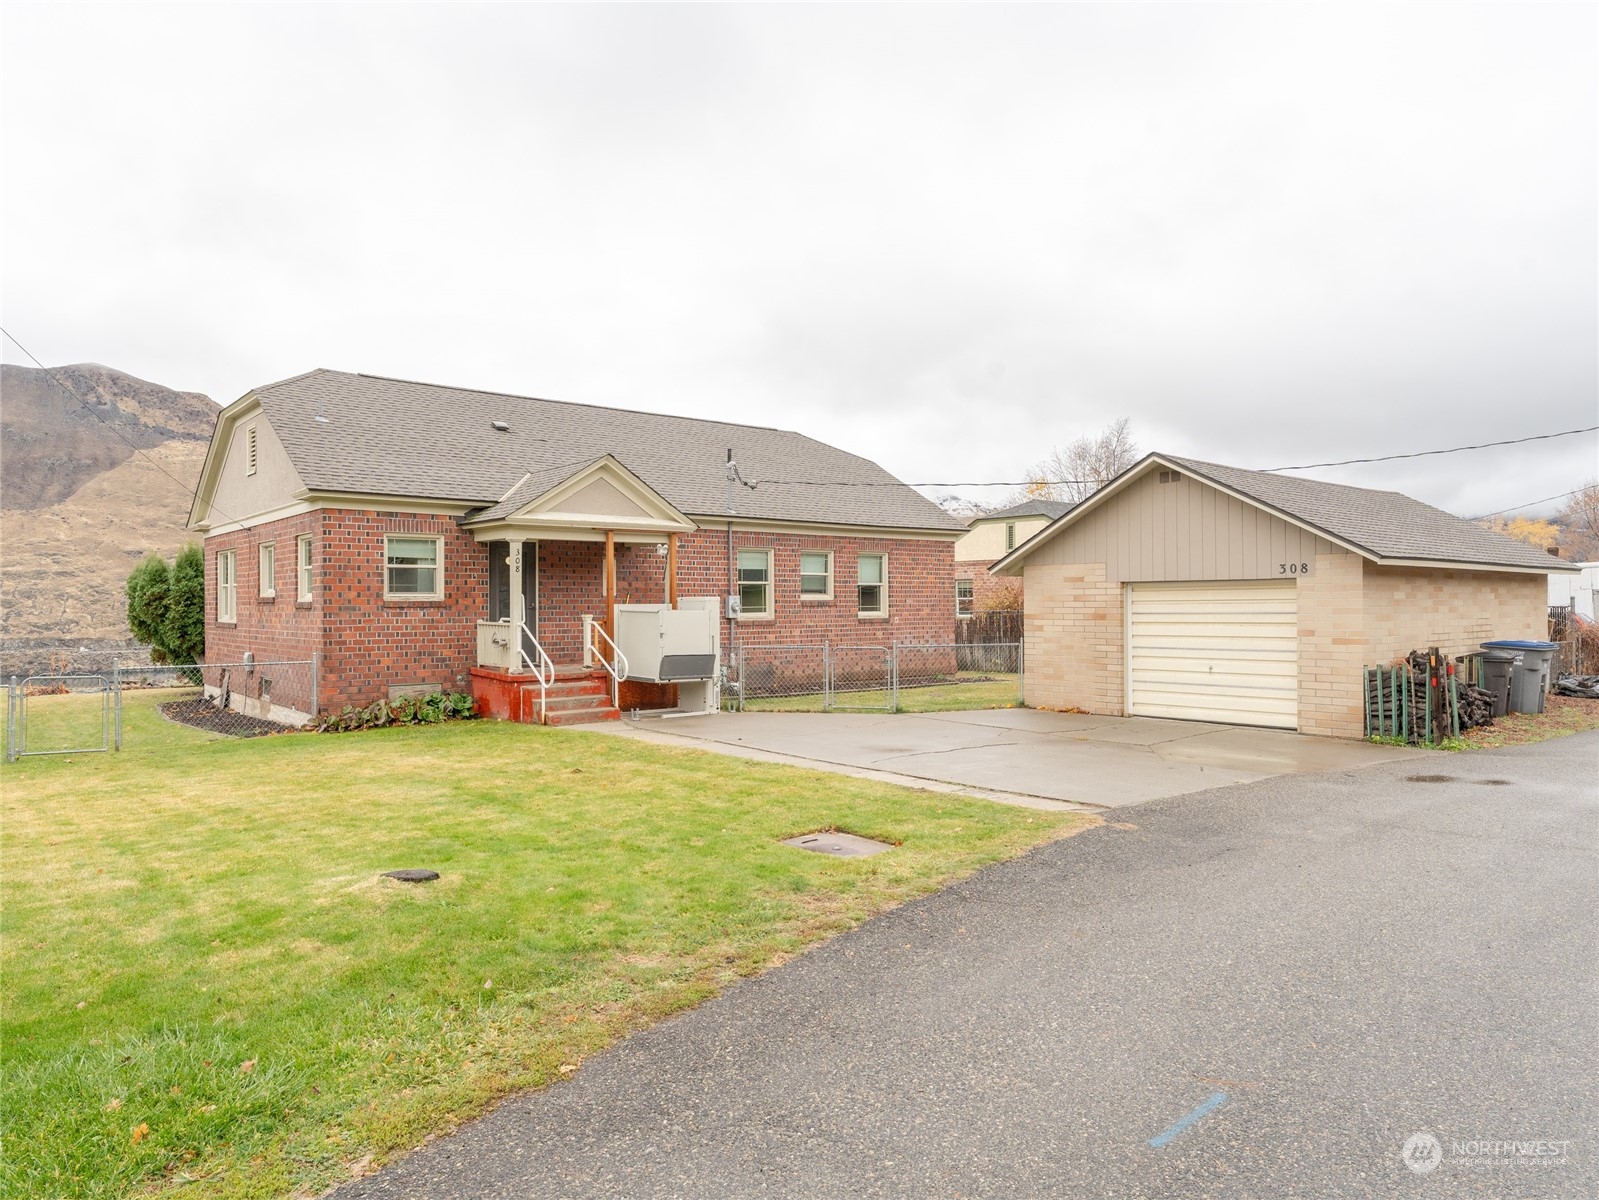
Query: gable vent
[[1171, 476], [501, 426], [249, 450]]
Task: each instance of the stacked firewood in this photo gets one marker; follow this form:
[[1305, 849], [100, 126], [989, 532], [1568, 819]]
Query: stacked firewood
[[1474, 704]]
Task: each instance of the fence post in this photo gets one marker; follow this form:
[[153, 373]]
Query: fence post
[[116, 707], [827, 675], [11, 720], [1021, 674], [893, 675]]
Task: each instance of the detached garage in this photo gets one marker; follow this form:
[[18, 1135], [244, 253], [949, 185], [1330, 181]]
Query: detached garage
[[1197, 591]]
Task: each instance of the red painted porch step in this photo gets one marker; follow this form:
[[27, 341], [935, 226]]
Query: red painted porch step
[[575, 698]]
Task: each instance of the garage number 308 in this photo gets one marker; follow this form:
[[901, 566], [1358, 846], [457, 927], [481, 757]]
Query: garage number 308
[[1298, 568]]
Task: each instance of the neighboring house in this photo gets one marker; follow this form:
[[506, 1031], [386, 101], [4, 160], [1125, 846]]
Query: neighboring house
[[383, 526], [1193, 590], [988, 539], [1575, 592]]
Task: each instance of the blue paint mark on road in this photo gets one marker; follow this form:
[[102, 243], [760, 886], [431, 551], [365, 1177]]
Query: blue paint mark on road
[[1209, 1106]]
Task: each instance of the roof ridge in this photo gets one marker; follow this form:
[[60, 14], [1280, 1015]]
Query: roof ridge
[[277, 383], [1353, 487], [641, 412]]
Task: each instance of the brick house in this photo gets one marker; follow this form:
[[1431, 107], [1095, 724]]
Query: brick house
[[400, 534], [988, 538], [1199, 591]]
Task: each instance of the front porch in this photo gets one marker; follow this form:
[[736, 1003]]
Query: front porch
[[560, 560]]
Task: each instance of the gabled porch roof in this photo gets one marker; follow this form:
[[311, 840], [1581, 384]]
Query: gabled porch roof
[[559, 504]]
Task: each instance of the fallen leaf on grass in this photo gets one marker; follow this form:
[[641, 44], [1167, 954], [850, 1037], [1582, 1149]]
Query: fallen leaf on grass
[[247, 1066], [568, 1068], [138, 1133], [115, 1104]]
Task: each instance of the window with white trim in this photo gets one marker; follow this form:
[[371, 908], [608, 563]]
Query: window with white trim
[[816, 575], [963, 598], [755, 583], [227, 586], [871, 579], [414, 569], [269, 573], [302, 570]]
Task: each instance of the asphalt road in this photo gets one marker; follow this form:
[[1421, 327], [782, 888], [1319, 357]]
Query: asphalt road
[[1277, 983]]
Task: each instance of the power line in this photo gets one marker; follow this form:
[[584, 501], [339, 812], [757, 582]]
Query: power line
[[73, 392], [1347, 462], [1526, 504]]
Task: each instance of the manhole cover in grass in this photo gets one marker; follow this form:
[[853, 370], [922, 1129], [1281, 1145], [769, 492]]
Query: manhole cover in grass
[[1430, 778], [840, 845], [412, 875]]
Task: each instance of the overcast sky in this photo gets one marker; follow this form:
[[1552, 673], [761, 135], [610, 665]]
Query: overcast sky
[[946, 238]]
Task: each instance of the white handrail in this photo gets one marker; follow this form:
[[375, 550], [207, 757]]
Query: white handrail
[[538, 673], [616, 667]]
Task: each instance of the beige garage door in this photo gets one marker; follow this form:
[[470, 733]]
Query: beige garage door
[[1225, 652]]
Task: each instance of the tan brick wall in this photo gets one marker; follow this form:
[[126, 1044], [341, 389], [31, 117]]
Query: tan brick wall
[[1331, 603], [1409, 609], [1074, 628], [1352, 614]]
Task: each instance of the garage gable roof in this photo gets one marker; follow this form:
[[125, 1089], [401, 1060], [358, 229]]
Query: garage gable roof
[[1384, 527]]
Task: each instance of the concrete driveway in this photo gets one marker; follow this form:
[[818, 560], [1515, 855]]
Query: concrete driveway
[[1021, 754]]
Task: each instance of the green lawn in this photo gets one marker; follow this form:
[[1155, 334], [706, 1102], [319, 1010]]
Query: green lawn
[[205, 979], [959, 696]]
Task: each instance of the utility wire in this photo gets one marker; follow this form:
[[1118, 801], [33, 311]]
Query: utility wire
[[834, 483], [1528, 504], [73, 392], [1537, 437]]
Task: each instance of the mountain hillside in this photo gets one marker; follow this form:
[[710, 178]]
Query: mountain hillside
[[51, 444], [79, 507]]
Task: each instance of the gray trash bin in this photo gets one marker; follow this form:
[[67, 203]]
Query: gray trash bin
[[1497, 667], [1529, 682]]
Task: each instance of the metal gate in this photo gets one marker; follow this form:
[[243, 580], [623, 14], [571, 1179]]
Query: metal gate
[[58, 714], [863, 676]]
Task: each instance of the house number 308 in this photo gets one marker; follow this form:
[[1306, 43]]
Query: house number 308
[[1298, 568]]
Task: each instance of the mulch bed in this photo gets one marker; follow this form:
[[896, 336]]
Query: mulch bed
[[202, 714], [1561, 715]]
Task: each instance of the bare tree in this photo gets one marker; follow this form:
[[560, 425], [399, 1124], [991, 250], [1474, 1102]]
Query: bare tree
[[1077, 471], [1579, 525]]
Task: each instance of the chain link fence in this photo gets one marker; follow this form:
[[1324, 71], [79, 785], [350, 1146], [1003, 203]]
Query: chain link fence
[[67, 714], [851, 677]]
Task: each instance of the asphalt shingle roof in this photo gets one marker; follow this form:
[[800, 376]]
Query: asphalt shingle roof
[[1388, 524], [1053, 509], [394, 437]]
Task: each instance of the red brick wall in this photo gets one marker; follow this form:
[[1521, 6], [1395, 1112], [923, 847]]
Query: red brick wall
[[572, 584], [276, 628], [920, 603], [990, 592], [371, 644]]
